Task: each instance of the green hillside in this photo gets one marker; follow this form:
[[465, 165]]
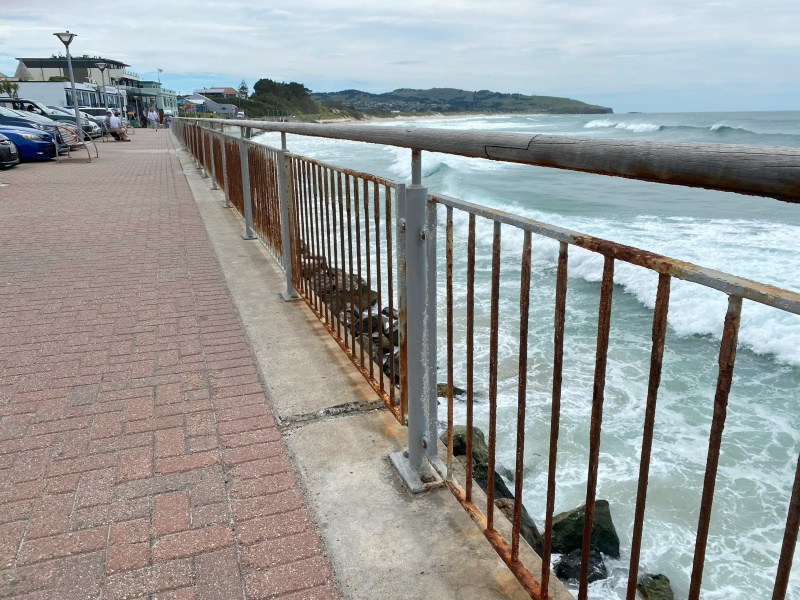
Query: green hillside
[[455, 100]]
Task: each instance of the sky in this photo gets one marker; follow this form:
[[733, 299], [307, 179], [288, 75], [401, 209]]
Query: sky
[[630, 55]]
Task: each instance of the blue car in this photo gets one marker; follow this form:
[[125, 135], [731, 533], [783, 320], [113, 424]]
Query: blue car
[[32, 144]]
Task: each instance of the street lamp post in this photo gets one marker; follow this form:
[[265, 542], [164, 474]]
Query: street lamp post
[[66, 38], [102, 66]]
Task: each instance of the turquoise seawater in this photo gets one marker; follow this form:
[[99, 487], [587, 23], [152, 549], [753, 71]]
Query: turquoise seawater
[[750, 237]]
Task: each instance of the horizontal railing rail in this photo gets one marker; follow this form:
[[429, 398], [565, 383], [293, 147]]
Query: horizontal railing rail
[[342, 230], [772, 172]]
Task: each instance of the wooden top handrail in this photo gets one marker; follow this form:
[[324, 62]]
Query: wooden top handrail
[[767, 171]]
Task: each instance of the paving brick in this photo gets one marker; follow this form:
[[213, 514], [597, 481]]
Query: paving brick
[[128, 532], [81, 576], [283, 579], [210, 514], [262, 506], [170, 442], [186, 463], [149, 580], [273, 526], [260, 436], [10, 539], [65, 544], [282, 550], [253, 452], [170, 513], [51, 516], [218, 575], [201, 423], [125, 557], [191, 543], [262, 467], [135, 463], [262, 486]]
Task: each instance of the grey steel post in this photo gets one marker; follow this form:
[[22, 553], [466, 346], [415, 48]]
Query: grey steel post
[[284, 193], [203, 150], [211, 137], [225, 171], [418, 467], [246, 200], [194, 136]]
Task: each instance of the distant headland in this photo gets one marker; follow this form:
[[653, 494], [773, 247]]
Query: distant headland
[[446, 100], [271, 98]]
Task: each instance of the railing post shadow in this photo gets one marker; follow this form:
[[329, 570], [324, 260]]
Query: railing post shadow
[[284, 193], [419, 466], [246, 196]]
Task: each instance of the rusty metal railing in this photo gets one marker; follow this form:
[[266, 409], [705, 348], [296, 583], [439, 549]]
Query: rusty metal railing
[[667, 269], [347, 273], [347, 231]]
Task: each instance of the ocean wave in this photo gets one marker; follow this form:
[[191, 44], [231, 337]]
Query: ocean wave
[[717, 132]]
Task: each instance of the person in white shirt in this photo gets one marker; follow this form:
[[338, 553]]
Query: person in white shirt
[[152, 116], [115, 124]]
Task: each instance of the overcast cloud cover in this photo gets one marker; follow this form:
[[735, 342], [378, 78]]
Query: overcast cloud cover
[[632, 55]]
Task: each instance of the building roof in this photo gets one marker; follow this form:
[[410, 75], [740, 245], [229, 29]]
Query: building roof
[[217, 90], [77, 61]]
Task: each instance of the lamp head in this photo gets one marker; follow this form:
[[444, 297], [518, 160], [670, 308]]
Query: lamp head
[[65, 37], [101, 65]]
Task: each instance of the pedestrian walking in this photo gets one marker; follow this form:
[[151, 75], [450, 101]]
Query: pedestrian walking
[[152, 116]]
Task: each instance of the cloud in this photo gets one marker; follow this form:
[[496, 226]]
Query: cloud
[[527, 46]]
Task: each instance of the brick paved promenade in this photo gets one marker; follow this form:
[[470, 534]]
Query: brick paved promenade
[[138, 457]]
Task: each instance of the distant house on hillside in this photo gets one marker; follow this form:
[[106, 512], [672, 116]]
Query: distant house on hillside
[[218, 92], [202, 103]]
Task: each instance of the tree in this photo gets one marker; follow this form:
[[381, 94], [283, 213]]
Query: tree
[[58, 78], [243, 89], [9, 87]]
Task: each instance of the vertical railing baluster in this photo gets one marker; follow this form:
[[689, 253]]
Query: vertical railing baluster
[[656, 358], [330, 230], [390, 320], [555, 406], [378, 268], [789, 539], [368, 255], [493, 346], [361, 304], [318, 194], [348, 199], [470, 348], [522, 381], [449, 305], [603, 329], [727, 358]]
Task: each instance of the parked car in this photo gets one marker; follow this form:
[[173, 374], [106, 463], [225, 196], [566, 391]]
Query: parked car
[[37, 108], [8, 153], [17, 118], [31, 144], [94, 129]]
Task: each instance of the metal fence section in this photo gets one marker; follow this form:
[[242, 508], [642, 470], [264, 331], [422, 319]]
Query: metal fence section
[[667, 269], [347, 266], [362, 253], [264, 163]]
